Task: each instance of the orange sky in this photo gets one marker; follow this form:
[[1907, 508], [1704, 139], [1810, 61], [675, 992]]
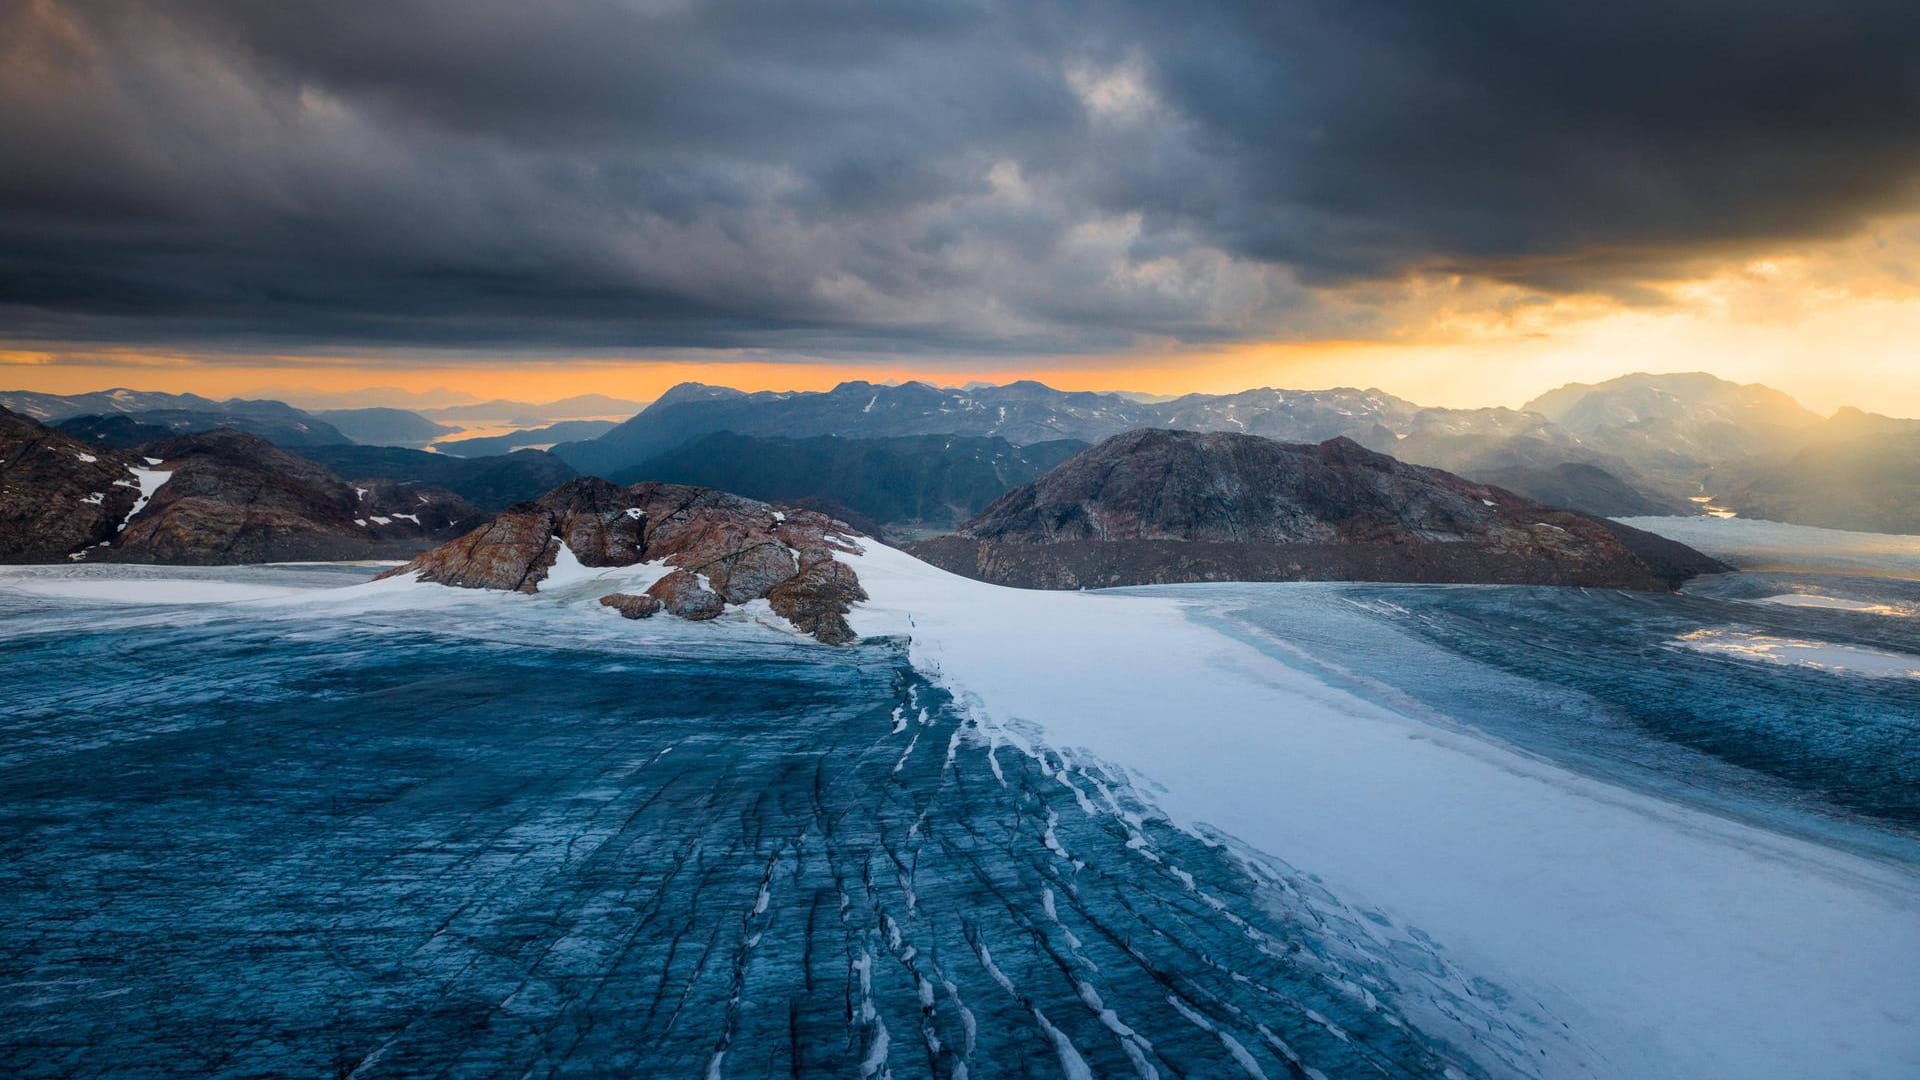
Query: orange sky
[[1833, 324]]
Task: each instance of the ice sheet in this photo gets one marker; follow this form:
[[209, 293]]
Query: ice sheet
[[1678, 944]]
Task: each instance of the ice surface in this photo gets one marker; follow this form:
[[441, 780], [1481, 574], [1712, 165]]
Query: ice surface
[[511, 844], [1675, 943], [1669, 941]]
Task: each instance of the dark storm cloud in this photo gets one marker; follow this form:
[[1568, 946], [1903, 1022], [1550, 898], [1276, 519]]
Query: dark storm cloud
[[936, 177]]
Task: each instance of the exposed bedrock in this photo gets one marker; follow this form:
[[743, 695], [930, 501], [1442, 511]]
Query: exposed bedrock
[[722, 550]]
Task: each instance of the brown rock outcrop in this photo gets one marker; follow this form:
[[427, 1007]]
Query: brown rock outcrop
[[742, 549], [632, 606], [682, 594], [817, 600]]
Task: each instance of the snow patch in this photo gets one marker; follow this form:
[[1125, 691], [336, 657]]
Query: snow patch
[[1834, 603], [150, 481], [1801, 652]]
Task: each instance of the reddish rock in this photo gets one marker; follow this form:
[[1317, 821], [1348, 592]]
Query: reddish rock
[[632, 606], [817, 600], [682, 594], [743, 549], [513, 552]]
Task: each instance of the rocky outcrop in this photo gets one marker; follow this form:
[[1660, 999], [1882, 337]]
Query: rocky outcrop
[[632, 606], [1158, 506], [59, 497], [216, 497], [232, 497], [685, 595], [722, 549], [817, 600]]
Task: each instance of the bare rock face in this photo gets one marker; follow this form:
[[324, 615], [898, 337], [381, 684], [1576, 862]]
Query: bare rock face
[[1157, 506], [227, 497], [817, 600], [236, 498], [682, 594], [723, 549], [58, 496], [513, 552], [632, 606]]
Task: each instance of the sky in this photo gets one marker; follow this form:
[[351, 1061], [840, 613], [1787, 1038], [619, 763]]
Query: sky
[[1463, 203]]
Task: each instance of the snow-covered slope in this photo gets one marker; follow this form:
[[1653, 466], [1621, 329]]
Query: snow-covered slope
[[1676, 943]]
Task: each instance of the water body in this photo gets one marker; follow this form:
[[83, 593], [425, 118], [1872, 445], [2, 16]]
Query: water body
[[236, 843]]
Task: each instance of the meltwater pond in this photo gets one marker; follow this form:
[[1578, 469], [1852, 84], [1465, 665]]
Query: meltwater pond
[[239, 839]]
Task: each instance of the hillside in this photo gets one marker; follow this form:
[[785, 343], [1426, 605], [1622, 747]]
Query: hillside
[[911, 480], [1160, 506]]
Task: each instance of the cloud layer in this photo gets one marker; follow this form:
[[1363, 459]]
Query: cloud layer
[[932, 178]]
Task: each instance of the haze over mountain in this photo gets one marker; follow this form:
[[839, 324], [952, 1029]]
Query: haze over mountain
[[381, 426], [572, 408], [525, 438]]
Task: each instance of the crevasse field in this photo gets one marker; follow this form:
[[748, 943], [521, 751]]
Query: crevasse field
[[276, 820]]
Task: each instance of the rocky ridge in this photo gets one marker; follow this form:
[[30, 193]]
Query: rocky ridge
[[1158, 506], [715, 548], [209, 498], [59, 497], [232, 497]]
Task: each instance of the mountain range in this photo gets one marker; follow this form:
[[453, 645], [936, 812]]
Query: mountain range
[[1639, 444], [919, 458]]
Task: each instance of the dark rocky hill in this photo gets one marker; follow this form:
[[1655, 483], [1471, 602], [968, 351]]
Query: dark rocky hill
[[934, 481], [1161, 506], [121, 431], [231, 497], [59, 496], [490, 483], [279, 424]]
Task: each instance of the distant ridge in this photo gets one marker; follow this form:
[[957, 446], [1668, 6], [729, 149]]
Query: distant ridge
[[1157, 506]]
